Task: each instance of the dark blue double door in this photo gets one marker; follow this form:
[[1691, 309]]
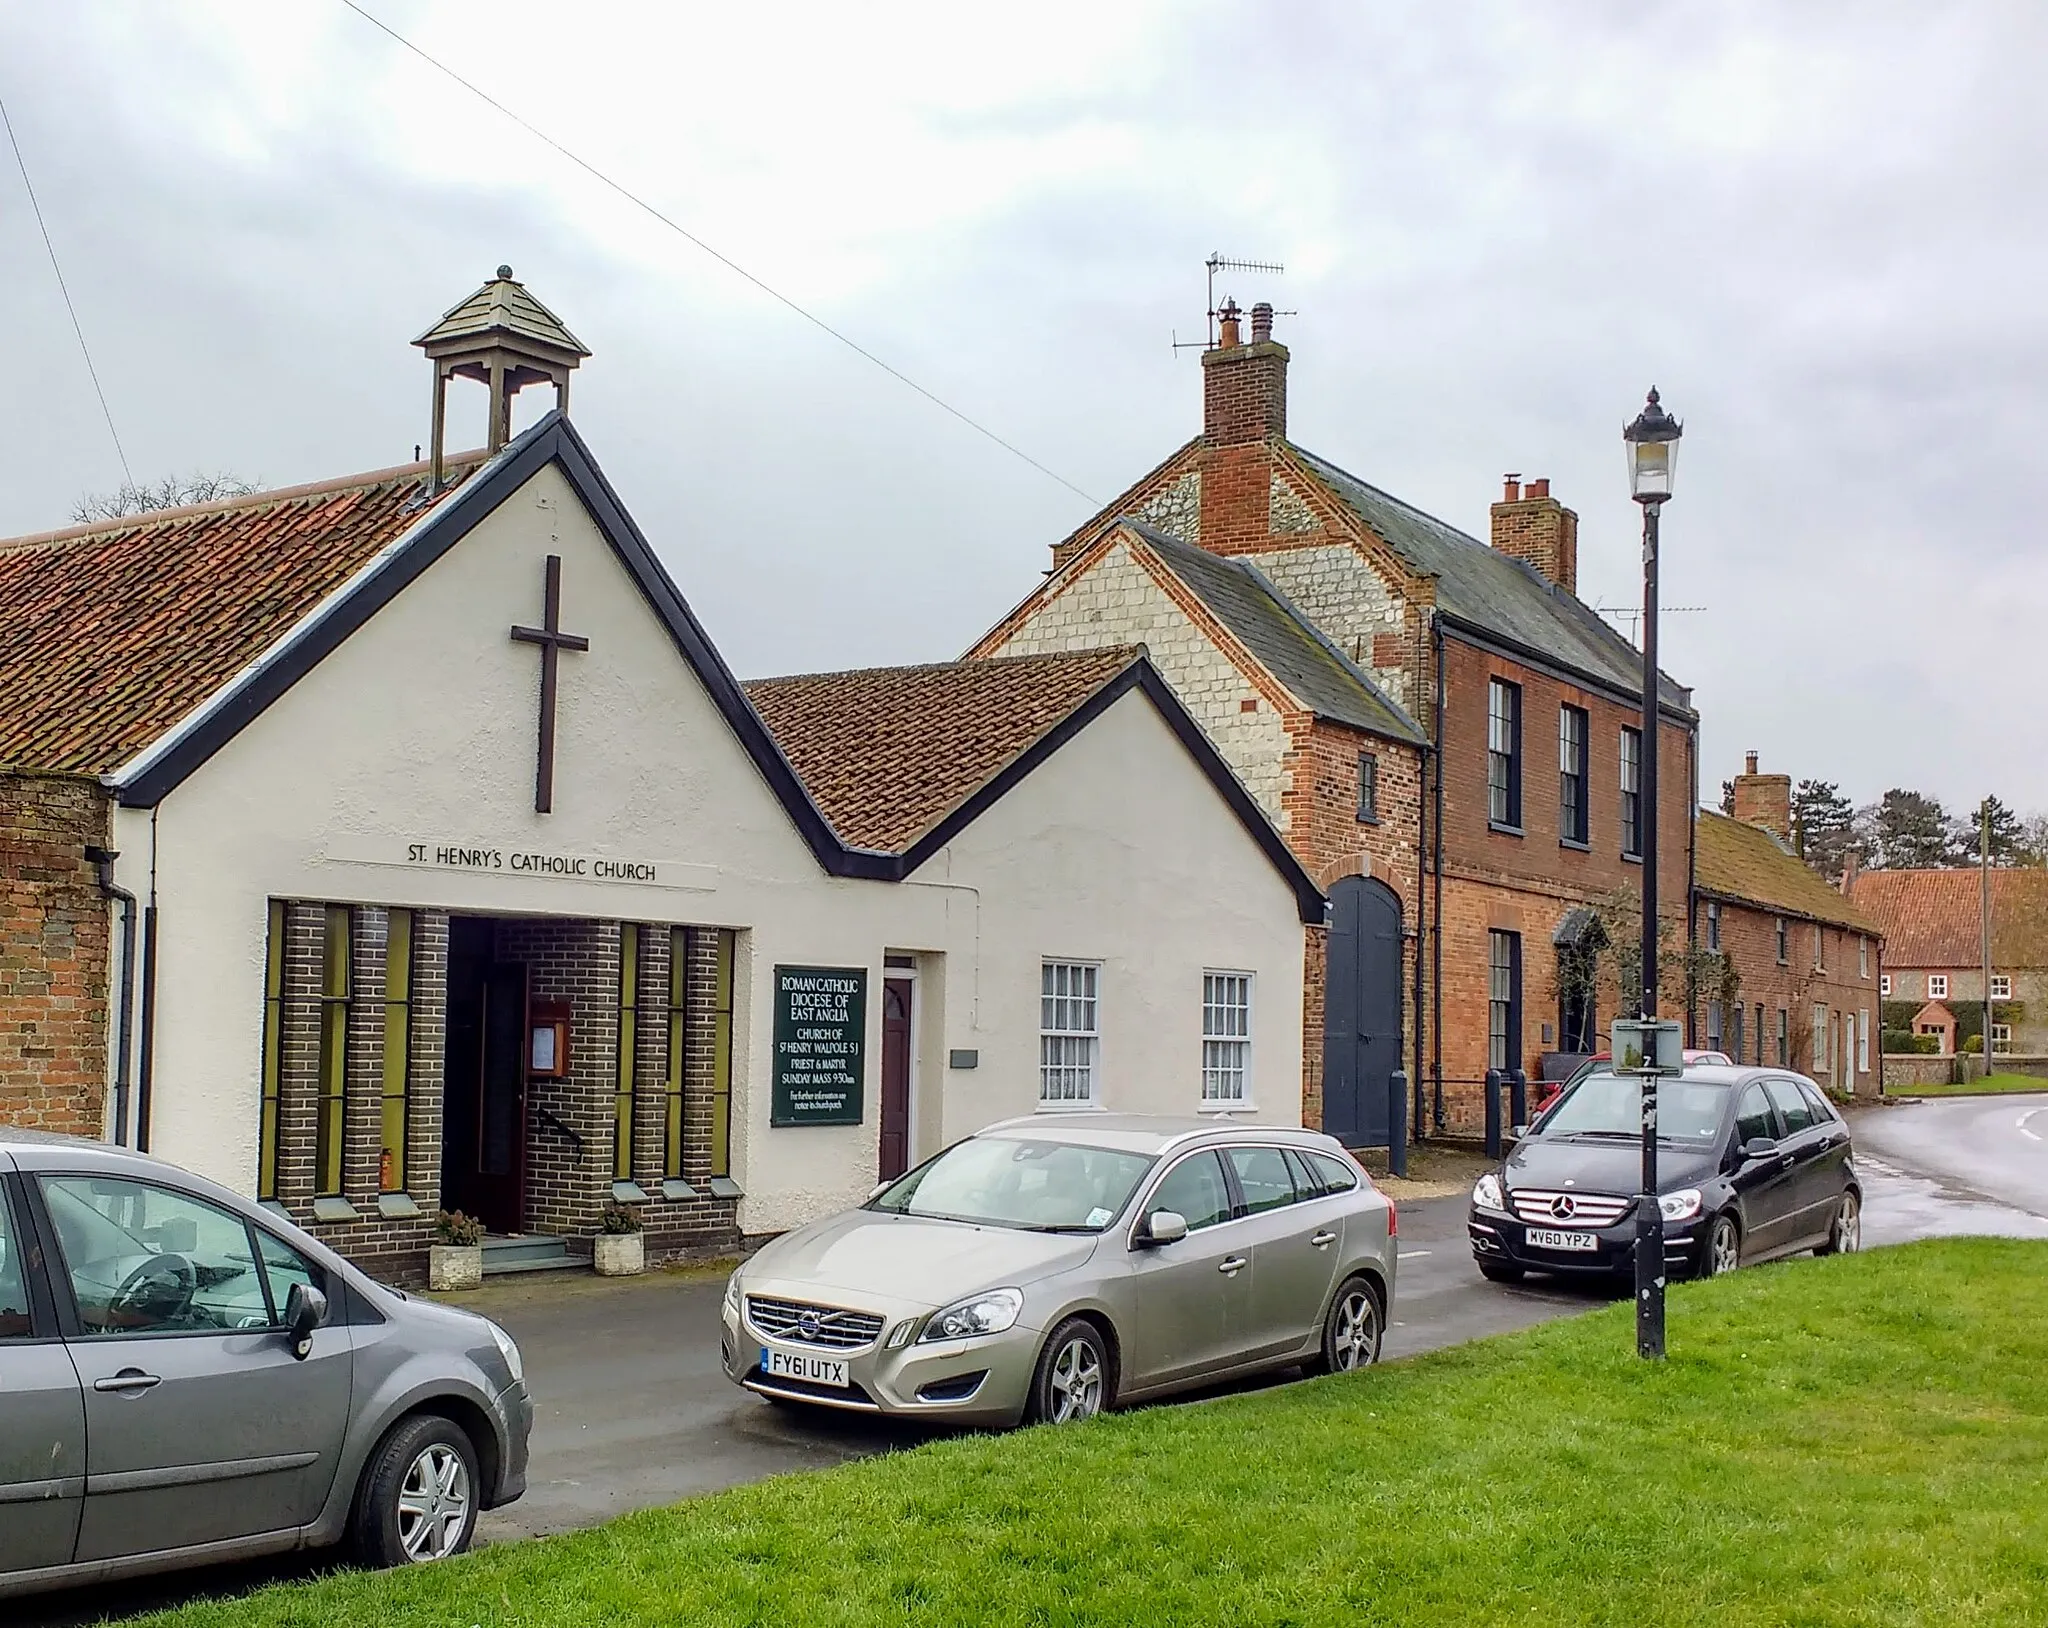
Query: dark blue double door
[[1361, 1011]]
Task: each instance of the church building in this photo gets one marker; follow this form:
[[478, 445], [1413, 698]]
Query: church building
[[402, 842]]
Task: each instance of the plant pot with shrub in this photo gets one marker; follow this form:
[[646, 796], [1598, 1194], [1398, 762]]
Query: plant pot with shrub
[[455, 1260], [620, 1250]]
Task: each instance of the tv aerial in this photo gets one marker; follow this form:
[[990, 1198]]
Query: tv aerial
[[1221, 262]]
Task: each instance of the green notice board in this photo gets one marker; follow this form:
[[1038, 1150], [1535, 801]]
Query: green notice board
[[821, 1016]]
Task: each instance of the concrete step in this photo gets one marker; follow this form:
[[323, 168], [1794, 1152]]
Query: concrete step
[[528, 1254]]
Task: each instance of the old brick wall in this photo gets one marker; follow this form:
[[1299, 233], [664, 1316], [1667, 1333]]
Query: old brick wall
[[55, 955], [1845, 983], [1357, 609]]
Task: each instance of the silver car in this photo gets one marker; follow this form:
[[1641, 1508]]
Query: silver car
[[186, 1378], [1054, 1266]]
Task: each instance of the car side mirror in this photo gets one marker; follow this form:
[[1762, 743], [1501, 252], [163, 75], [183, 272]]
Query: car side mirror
[[1759, 1147], [1519, 1133], [305, 1308], [1163, 1227]]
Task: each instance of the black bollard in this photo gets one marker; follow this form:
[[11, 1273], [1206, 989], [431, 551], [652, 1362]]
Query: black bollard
[[1518, 1098], [1397, 1124], [1493, 1113]]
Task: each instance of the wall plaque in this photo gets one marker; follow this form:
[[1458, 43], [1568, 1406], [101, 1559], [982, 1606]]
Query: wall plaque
[[820, 1045]]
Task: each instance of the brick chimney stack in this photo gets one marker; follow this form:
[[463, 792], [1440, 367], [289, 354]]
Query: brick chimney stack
[[1244, 386], [1764, 800], [1536, 529]]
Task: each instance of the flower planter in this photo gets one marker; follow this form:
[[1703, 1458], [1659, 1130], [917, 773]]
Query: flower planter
[[620, 1254], [455, 1266]]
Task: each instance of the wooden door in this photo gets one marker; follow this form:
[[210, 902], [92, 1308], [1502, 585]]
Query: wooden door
[[499, 1186], [899, 1001], [1361, 1011]]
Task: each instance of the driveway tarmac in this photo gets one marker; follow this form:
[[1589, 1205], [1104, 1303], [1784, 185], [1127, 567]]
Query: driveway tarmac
[[632, 1409]]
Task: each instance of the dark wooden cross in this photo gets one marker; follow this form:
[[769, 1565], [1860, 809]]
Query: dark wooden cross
[[552, 640]]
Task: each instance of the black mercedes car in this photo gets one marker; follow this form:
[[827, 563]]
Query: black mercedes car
[[1752, 1164]]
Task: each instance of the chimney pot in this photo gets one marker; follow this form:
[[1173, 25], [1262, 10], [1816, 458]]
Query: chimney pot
[[1262, 322], [1511, 488], [1227, 337], [1539, 487], [1749, 763]]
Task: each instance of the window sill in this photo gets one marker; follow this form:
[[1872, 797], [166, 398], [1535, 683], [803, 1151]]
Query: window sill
[[334, 1208], [676, 1187], [725, 1187], [1575, 845], [628, 1192], [1089, 1107], [1223, 1110], [1628, 858], [397, 1207], [1504, 830]]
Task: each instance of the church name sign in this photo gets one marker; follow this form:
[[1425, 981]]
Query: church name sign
[[820, 1045], [478, 859]]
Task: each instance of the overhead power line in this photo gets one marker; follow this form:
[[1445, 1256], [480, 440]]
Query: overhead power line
[[84, 349], [727, 261]]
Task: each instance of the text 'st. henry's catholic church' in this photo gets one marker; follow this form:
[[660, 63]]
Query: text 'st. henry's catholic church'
[[402, 841]]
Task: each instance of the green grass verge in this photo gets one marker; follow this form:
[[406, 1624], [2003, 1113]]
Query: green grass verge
[[1990, 1085], [1857, 1440]]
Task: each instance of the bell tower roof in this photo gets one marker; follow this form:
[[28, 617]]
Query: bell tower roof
[[502, 314]]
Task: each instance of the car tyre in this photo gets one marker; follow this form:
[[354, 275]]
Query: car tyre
[[1723, 1251], [1072, 1381], [1494, 1272], [419, 1496], [1353, 1328], [1845, 1232]]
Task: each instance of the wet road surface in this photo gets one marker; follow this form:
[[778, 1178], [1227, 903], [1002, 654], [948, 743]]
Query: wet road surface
[[1992, 1147], [633, 1409]]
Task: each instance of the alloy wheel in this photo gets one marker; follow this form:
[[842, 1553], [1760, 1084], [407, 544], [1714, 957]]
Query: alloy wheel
[[1724, 1248], [1076, 1380], [1848, 1226], [1355, 1336], [433, 1503]]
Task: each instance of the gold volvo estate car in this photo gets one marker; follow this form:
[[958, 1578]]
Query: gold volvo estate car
[[1050, 1267]]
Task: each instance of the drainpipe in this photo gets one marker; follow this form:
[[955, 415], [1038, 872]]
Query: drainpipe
[[146, 1070], [1423, 922], [1436, 979], [102, 860]]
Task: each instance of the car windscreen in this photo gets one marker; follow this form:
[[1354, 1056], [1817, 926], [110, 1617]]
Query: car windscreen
[[1610, 1104], [1014, 1182]]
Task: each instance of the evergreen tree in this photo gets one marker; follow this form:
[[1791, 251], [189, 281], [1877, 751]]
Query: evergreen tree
[[1907, 830], [1824, 822], [2009, 840], [1728, 798]]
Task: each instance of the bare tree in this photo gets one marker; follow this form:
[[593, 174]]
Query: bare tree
[[172, 492]]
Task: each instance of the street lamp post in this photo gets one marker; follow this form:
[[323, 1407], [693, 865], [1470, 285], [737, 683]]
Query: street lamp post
[[1652, 442]]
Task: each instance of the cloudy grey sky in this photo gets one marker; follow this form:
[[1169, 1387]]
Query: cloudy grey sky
[[1819, 228]]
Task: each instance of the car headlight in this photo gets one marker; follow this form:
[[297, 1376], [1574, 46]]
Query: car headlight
[[988, 1313], [1486, 1192], [508, 1348], [732, 1294], [1682, 1205]]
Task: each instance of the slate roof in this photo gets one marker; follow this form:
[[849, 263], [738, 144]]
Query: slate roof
[[112, 633], [1285, 641], [504, 306], [1494, 592], [888, 752], [1932, 918], [1746, 864]]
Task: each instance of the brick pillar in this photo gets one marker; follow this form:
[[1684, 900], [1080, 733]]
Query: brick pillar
[[650, 1060], [429, 1058], [362, 1114], [305, 932], [700, 1055], [1314, 976]]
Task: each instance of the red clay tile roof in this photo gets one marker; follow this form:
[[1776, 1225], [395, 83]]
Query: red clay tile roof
[[112, 633], [1742, 862], [1932, 918], [887, 752]]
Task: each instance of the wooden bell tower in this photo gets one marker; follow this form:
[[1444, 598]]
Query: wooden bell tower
[[505, 339]]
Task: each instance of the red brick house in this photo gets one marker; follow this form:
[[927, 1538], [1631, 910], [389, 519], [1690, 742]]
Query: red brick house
[[1806, 959], [1456, 911], [1934, 948]]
